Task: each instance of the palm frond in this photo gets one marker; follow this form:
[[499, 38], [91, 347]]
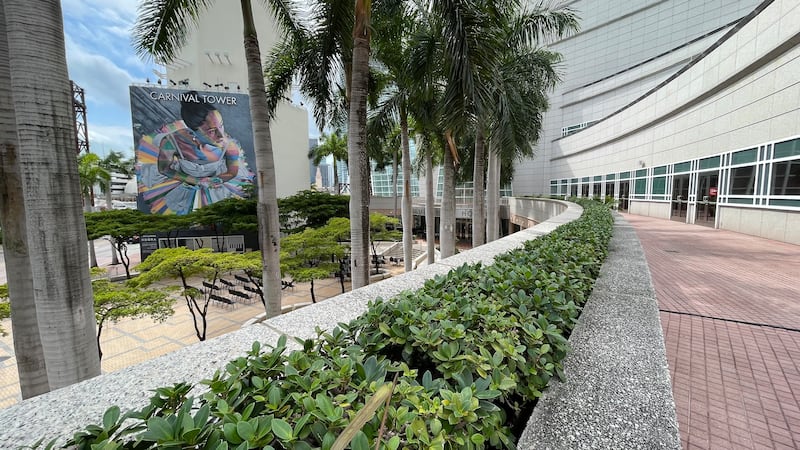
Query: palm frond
[[161, 27]]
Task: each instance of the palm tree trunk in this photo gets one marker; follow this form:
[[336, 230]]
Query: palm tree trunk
[[394, 182], [430, 209], [31, 367], [356, 148], [493, 197], [478, 193], [336, 177], [47, 156], [268, 224], [408, 218], [87, 207], [447, 218]]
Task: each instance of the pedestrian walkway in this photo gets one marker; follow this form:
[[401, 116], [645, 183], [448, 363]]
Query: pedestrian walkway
[[730, 312]]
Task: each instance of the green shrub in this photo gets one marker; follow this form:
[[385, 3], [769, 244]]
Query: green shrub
[[466, 357]]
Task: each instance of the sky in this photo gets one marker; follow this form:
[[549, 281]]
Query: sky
[[101, 60]]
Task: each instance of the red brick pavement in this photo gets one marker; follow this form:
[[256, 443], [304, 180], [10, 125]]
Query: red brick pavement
[[730, 312]]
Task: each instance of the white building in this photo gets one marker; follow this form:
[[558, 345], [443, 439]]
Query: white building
[[684, 110], [213, 58]]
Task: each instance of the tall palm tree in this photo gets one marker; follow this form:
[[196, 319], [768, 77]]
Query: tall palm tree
[[159, 32], [62, 293], [31, 365], [91, 173], [335, 146], [525, 74]]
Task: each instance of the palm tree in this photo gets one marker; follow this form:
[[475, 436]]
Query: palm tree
[[90, 173], [334, 145], [159, 32], [525, 74], [32, 367], [61, 299]]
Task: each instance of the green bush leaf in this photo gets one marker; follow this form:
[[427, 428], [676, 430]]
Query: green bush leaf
[[282, 429]]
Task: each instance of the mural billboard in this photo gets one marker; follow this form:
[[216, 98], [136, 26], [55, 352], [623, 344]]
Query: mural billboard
[[193, 148]]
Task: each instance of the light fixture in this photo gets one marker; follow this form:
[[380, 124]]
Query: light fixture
[[173, 82], [206, 84]]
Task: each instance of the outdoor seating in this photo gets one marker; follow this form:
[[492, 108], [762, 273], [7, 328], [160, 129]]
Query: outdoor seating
[[223, 300]]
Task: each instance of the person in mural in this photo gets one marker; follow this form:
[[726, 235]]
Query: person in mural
[[191, 162]]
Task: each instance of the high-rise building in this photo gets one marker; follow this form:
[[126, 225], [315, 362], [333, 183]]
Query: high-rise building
[[213, 59], [684, 110]]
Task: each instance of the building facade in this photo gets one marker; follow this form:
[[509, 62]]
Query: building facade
[[213, 59], [682, 110]]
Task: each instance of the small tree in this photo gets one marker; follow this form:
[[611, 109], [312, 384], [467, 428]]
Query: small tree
[[116, 301], [183, 263], [311, 209], [112, 303], [123, 224], [311, 255]]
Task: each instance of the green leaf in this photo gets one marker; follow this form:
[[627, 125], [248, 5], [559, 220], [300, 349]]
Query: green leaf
[[159, 428], [360, 442], [110, 417], [282, 429], [393, 443], [245, 430]]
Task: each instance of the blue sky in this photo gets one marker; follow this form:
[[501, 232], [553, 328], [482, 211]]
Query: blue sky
[[102, 61]]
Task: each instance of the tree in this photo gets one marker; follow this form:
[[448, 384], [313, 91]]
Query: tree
[[334, 145], [311, 255], [114, 162], [159, 32], [31, 369], [123, 224], [183, 263], [91, 173], [312, 209], [59, 295]]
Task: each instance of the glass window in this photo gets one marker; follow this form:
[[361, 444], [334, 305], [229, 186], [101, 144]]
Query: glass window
[[660, 170], [585, 179], [598, 178], [624, 175], [709, 163], [610, 176], [788, 148], [744, 156], [659, 185], [640, 187], [743, 180], [786, 178], [682, 167], [641, 173], [553, 190]]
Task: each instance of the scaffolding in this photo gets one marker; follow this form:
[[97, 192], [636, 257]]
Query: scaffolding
[[79, 111]]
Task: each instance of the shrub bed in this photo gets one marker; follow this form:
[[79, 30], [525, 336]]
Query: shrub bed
[[465, 357]]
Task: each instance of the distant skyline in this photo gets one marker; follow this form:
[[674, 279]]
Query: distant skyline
[[102, 61]]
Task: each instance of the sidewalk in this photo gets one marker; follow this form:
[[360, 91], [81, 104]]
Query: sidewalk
[[730, 312]]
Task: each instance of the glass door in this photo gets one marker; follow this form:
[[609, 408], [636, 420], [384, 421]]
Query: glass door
[[707, 186], [624, 191], [680, 197]]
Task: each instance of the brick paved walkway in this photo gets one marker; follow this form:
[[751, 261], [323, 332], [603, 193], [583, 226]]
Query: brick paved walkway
[[730, 311]]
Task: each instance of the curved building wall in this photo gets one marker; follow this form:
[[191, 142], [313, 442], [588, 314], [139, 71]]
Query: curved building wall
[[718, 144], [623, 50]]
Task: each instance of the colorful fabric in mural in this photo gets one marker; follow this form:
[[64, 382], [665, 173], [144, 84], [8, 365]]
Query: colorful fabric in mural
[[180, 169]]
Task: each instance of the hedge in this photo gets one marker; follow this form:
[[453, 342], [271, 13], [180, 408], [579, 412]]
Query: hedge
[[461, 363]]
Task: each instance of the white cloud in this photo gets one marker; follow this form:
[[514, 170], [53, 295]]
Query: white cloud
[[104, 81], [104, 138]]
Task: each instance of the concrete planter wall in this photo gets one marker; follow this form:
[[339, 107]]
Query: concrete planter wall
[[624, 367]]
